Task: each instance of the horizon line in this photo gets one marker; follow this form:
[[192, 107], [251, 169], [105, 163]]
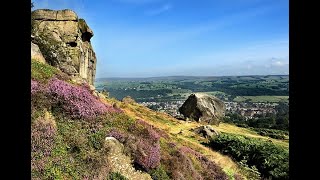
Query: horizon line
[[189, 76]]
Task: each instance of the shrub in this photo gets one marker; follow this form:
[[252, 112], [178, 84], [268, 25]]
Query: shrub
[[159, 174], [96, 140], [148, 155], [273, 133], [271, 160], [76, 101], [35, 87], [149, 131], [121, 137], [210, 169], [39, 99], [142, 141], [181, 167], [116, 176], [42, 142]]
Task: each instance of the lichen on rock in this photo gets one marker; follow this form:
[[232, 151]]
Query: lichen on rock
[[64, 41]]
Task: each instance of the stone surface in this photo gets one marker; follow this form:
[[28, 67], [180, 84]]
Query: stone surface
[[92, 88], [128, 100], [47, 14], [203, 108], [64, 41], [120, 162], [36, 53], [206, 131]]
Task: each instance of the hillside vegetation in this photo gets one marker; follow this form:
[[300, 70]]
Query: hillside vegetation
[[70, 126], [234, 88]]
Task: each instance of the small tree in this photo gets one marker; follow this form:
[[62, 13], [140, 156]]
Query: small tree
[[32, 5]]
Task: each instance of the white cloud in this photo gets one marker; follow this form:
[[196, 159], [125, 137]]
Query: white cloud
[[279, 63], [143, 39], [162, 9]]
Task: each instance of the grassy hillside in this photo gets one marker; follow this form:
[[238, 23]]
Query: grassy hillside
[[69, 127]]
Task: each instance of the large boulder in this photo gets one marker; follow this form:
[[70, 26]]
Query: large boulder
[[64, 41], [203, 108]]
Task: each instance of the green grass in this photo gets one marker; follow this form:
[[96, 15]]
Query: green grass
[[42, 72], [261, 98], [270, 159], [116, 176]]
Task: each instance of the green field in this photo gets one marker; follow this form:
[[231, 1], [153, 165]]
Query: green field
[[259, 88], [261, 98]]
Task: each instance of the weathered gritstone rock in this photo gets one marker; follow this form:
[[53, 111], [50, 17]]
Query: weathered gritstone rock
[[206, 131], [121, 163], [64, 41], [202, 107], [36, 53], [47, 15]]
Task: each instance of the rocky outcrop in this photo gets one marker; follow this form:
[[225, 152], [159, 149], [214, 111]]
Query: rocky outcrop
[[206, 131], [36, 53], [119, 162], [202, 107], [64, 41]]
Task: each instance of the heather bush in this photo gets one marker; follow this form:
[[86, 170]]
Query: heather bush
[[121, 137], [148, 152], [39, 99], [141, 141], [187, 150], [271, 160], [35, 87], [42, 142], [148, 155], [76, 101], [148, 131], [209, 168], [181, 167]]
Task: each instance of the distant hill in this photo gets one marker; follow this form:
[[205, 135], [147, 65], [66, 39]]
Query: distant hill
[[179, 78]]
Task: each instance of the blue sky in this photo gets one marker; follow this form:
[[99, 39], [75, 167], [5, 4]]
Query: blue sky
[[145, 38]]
